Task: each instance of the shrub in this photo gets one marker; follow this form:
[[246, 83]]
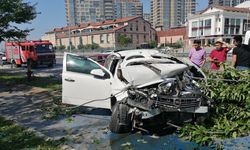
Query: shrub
[[123, 40], [80, 46], [72, 47], [153, 44], [62, 47], [231, 112]]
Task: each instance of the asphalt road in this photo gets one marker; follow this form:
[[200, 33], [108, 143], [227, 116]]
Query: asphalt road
[[40, 71]]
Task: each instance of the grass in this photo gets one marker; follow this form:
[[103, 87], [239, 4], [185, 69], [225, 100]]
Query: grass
[[50, 83], [14, 137]]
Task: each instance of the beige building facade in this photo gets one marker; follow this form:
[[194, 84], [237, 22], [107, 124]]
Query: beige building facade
[[172, 36], [105, 33]]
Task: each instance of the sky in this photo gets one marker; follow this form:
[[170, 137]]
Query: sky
[[52, 15]]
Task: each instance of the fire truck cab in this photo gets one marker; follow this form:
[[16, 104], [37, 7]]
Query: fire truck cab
[[39, 52]]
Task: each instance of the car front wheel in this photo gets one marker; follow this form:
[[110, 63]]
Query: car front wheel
[[120, 119]]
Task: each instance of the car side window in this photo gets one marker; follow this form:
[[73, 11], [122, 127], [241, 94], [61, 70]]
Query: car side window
[[80, 64]]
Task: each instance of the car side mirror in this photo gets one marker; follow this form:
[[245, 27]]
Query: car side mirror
[[97, 73]]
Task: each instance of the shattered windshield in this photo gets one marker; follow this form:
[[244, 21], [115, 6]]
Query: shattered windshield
[[44, 48]]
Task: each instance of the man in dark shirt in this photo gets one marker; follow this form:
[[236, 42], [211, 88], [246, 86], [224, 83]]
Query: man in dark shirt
[[241, 55]]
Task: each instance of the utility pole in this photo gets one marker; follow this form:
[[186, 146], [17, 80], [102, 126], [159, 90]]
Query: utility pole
[[69, 40], [114, 41]]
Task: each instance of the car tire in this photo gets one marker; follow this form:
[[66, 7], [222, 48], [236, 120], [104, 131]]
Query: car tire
[[120, 119]]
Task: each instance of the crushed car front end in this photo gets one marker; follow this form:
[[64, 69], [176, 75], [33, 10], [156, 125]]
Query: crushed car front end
[[160, 85], [180, 94]]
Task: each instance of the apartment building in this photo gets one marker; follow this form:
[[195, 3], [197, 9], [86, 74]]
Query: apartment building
[[126, 8], [167, 14], [218, 23], [79, 11], [105, 33], [82, 11], [147, 16], [231, 3], [108, 9]]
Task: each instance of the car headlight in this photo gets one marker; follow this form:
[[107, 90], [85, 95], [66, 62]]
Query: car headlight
[[167, 86]]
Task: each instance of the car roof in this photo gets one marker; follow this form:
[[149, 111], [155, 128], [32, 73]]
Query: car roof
[[125, 53]]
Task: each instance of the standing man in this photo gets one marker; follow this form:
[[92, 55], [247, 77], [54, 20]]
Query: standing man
[[218, 56], [241, 55], [197, 55]]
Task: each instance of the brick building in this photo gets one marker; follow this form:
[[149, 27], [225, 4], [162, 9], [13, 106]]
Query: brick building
[[105, 33]]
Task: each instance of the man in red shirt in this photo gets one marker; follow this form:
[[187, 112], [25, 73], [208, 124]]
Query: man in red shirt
[[218, 56]]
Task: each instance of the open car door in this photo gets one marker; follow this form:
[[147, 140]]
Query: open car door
[[85, 82]]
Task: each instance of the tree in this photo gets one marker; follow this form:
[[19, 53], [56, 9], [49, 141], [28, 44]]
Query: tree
[[123, 40], [95, 46], [12, 13], [80, 46], [72, 47], [152, 44], [80, 40]]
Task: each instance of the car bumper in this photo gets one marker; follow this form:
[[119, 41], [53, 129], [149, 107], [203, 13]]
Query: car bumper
[[155, 112]]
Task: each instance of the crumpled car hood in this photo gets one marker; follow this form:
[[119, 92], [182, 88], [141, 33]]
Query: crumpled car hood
[[138, 75]]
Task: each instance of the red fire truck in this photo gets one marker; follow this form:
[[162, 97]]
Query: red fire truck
[[40, 52]]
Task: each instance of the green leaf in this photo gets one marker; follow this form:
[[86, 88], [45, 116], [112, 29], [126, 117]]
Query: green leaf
[[234, 134]]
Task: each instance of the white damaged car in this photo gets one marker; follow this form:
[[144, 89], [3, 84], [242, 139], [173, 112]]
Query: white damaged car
[[136, 85]]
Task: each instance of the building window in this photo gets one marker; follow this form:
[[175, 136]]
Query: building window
[[102, 39], [232, 30], [108, 38], [208, 23], [194, 24], [226, 30], [237, 30], [237, 22], [201, 32], [226, 26], [194, 28], [144, 28], [201, 24], [227, 21], [232, 22], [131, 27], [194, 33], [137, 36]]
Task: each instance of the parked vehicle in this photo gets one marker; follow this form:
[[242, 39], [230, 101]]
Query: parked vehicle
[[136, 85], [2, 58], [99, 57], [40, 52]]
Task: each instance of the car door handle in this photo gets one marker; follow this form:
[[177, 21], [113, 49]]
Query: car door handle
[[69, 80]]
